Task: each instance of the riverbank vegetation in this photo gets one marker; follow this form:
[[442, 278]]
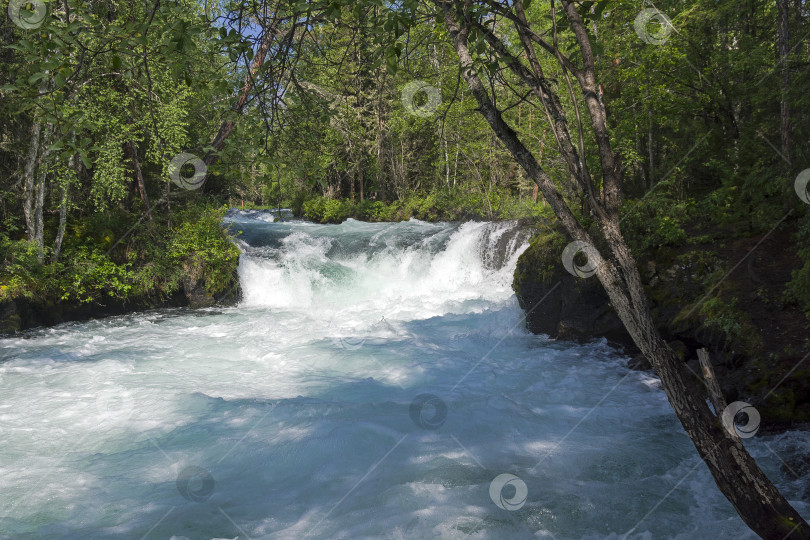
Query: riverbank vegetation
[[97, 100]]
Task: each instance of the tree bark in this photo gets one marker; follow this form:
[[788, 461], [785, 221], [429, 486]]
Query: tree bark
[[136, 166], [782, 42], [282, 49], [39, 191], [227, 126], [60, 233], [650, 148], [28, 181], [715, 394], [738, 476]]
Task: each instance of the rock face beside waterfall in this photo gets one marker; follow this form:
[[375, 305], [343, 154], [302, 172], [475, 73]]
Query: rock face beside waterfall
[[557, 303], [500, 241], [578, 309]]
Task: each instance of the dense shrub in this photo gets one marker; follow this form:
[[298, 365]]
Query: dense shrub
[[799, 286], [430, 206], [152, 261]]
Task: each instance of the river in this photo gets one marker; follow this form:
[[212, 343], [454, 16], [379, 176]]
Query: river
[[375, 381]]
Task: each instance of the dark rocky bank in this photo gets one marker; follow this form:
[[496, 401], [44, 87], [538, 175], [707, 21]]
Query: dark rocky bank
[[699, 299], [23, 313]]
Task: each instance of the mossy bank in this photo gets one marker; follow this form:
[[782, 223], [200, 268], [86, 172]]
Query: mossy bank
[[112, 264]]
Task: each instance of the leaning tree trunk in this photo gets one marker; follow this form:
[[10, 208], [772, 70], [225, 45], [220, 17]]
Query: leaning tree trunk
[[738, 476], [280, 51]]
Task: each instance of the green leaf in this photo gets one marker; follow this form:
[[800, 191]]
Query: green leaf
[[391, 63], [600, 7], [116, 63], [36, 77], [333, 10]]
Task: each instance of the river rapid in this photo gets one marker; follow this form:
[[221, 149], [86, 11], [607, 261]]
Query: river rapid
[[375, 381]]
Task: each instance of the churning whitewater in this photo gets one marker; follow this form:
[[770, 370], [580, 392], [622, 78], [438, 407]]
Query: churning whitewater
[[374, 382]]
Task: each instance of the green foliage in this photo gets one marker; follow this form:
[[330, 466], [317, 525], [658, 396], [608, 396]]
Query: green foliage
[[91, 276], [433, 206], [195, 249], [202, 249], [20, 271], [733, 324], [799, 286], [152, 263], [323, 210], [694, 135], [656, 221]]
